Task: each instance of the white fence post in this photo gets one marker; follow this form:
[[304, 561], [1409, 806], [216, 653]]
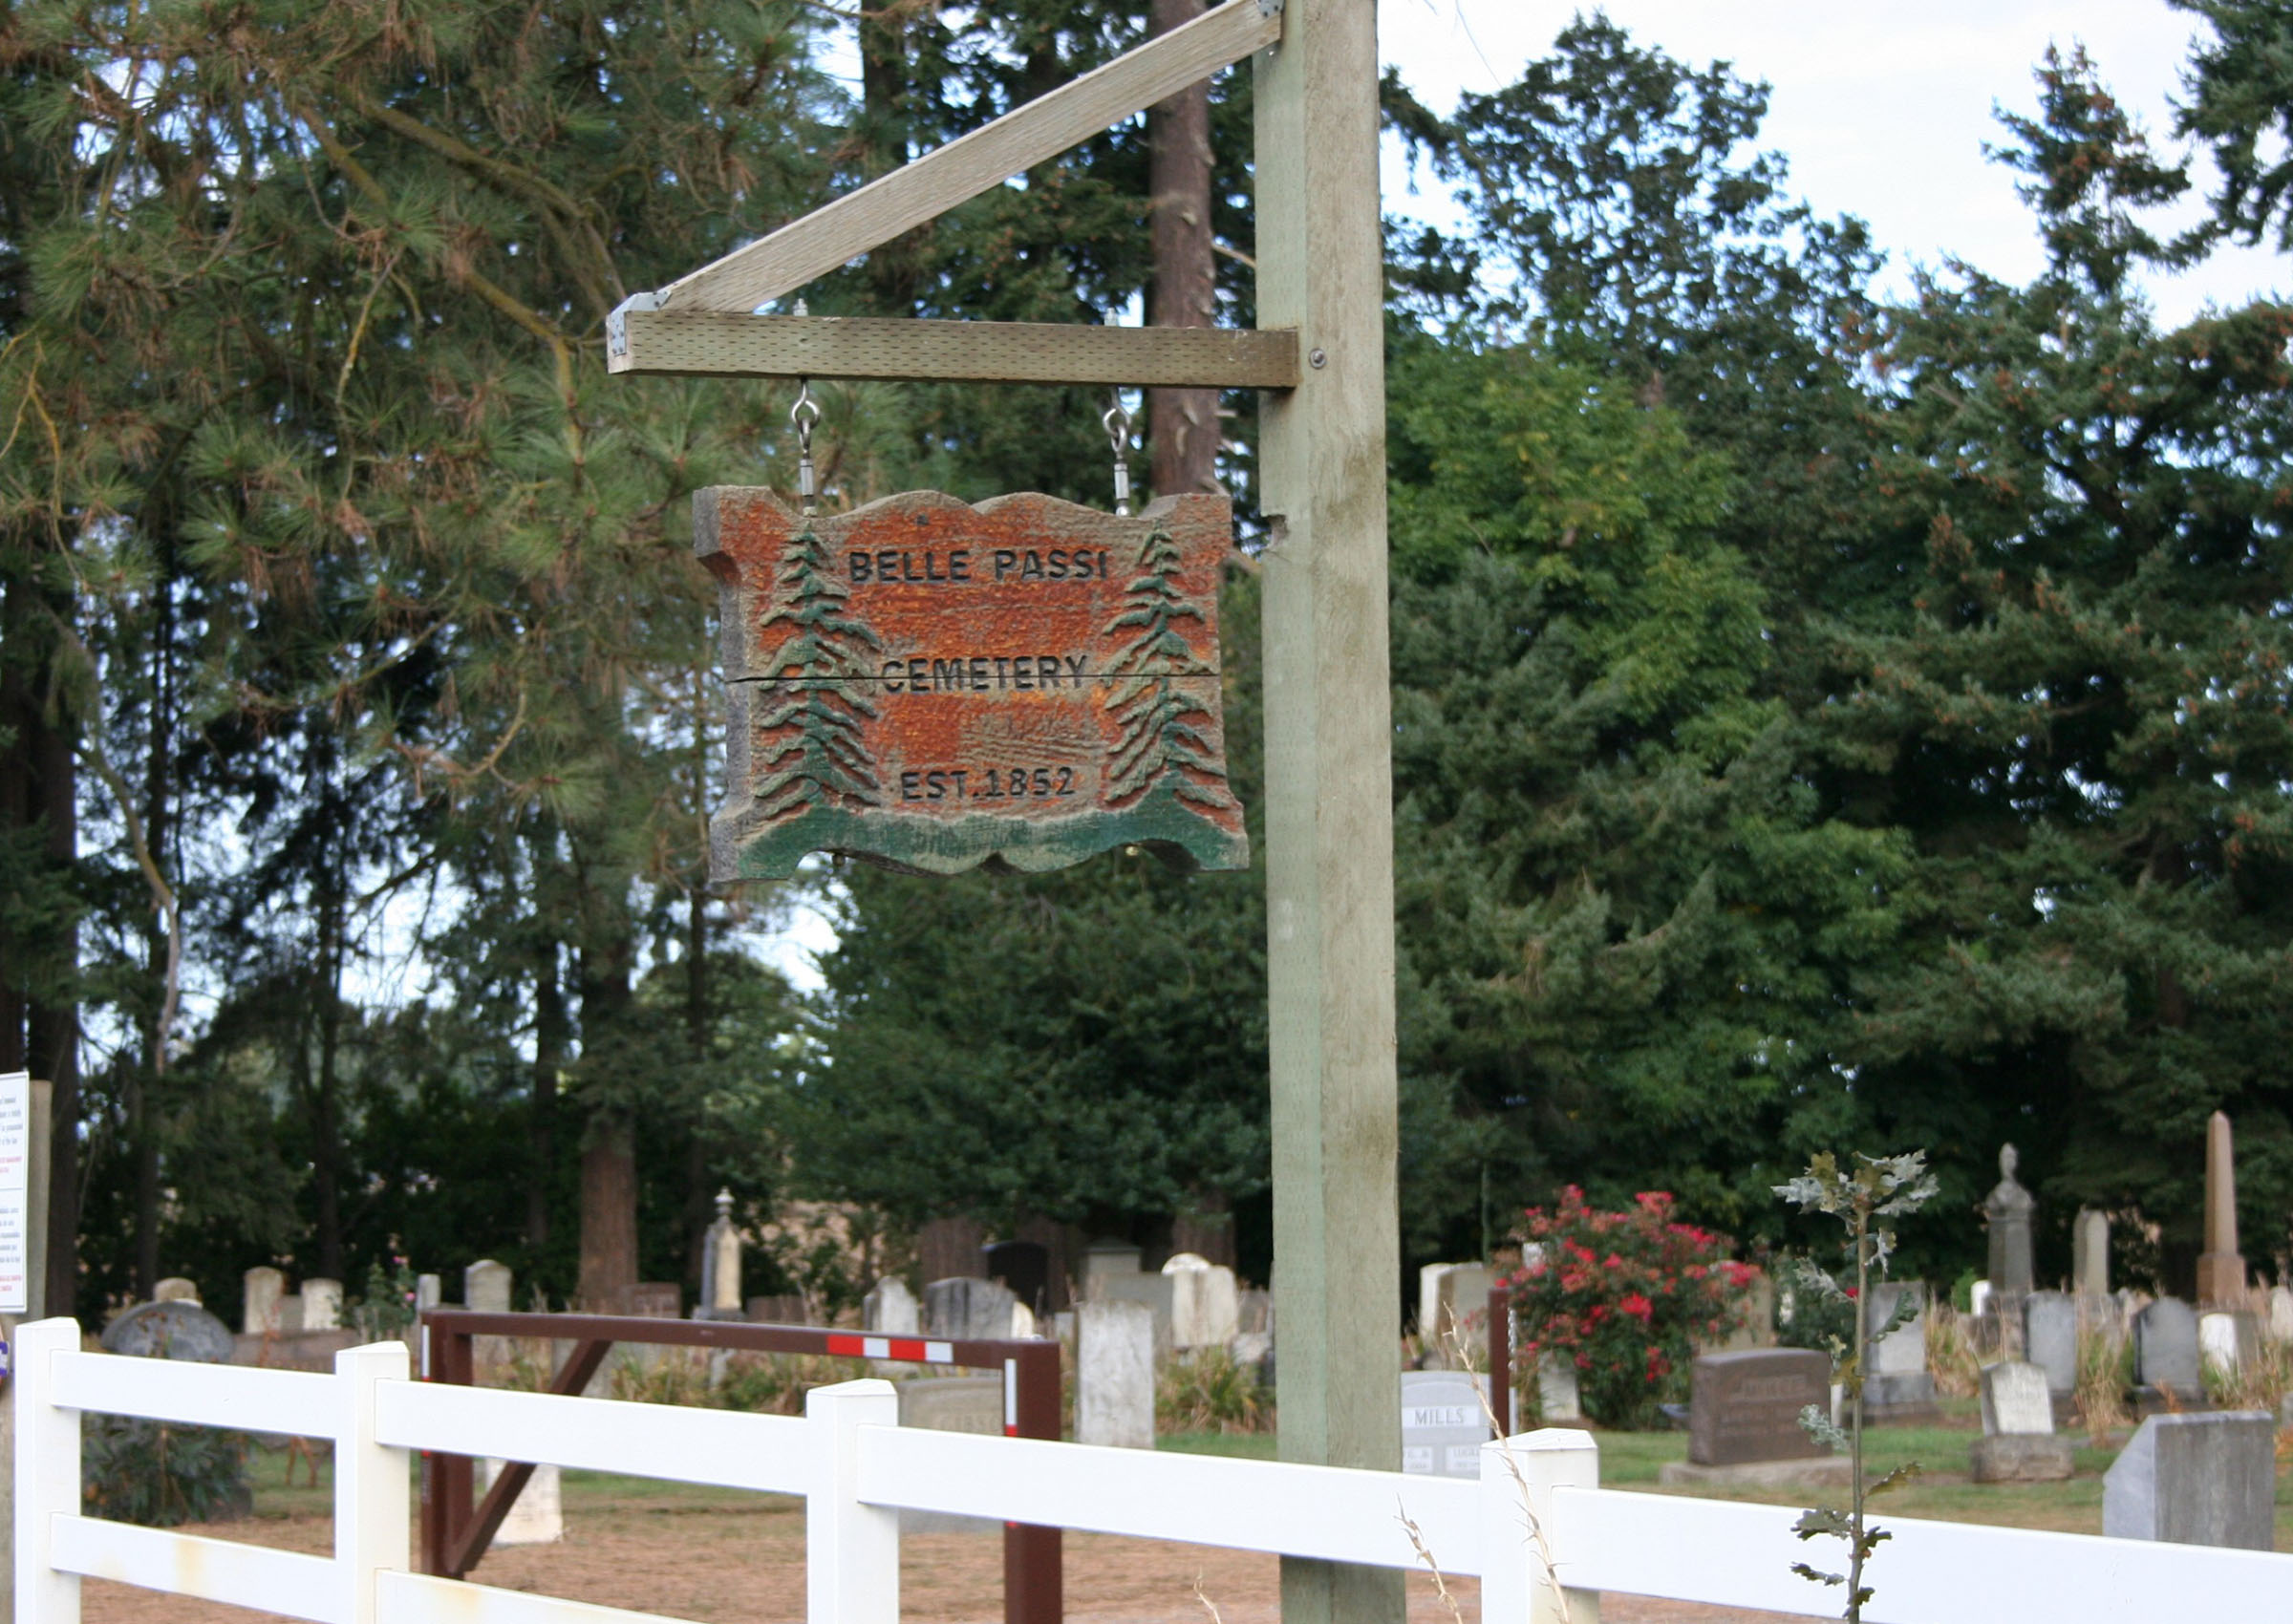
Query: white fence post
[[851, 1551], [1522, 1567], [47, 1467], [372, 1526]]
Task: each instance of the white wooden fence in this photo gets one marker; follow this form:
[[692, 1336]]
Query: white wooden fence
[[854, 1464]]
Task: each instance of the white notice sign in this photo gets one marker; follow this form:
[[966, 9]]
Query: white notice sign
[[15, 1173]]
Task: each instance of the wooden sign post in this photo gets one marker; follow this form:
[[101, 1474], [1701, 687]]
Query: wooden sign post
[[1329, 779], [1329, 835]]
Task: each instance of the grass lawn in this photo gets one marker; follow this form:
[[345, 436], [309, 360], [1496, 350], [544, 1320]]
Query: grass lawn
[[1944, 1489]]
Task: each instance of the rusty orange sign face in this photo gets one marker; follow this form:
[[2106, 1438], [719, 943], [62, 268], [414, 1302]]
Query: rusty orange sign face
[[931, 686]]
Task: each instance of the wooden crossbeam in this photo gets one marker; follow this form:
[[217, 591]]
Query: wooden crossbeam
[[724, 344], [811, 246]]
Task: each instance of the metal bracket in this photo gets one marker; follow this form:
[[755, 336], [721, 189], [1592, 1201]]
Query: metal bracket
[[616, 325], [1270, 8]]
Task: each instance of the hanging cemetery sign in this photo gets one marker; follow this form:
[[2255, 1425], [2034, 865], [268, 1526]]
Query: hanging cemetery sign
[[932, 686]]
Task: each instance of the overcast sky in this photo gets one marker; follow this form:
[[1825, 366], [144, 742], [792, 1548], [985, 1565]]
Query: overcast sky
[[1882, 108]]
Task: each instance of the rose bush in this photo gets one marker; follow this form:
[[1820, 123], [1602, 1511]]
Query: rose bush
[[1624, 1296]]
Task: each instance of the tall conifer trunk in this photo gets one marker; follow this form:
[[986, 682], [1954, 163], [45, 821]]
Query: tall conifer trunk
[[550, 1032], [895, 269], [608, 1152], [1182, 424]]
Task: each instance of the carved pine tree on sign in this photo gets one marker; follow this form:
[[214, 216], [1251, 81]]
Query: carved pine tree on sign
[[1160, 739], [825, 758]]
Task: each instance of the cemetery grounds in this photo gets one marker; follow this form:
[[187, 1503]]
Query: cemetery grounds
[[719, 1556]]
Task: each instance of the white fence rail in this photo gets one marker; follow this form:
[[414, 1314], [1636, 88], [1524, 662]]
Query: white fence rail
[[857, 1468]]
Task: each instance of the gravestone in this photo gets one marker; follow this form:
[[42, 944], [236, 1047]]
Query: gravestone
[[2165, 1353], [429, 1291], [1253, 1315], [1755, 1320], [1157, 1294], [2051, 1338], [2007, 1212], [1428, 1301], [263, 1286], [1443, 1422], [537, 1516], [1460, 1305], [1898, 1387], [1205, 1310], [175, 1289], [1743, 1422], [783, 1308], [173, 1330], [890, 1309], [2018, 1443], [2231, 1339], [2089, 1253], [2220, 1269], [322, 1305], [2195, 1480], [2280, 1315], [968, 1307], [950, 1404], [1102, 1259], [720, 1265], [1022, 1266], [653, 1299], [1114, 1375], [1746, 1406], [1559, 1398], [485, 1287]]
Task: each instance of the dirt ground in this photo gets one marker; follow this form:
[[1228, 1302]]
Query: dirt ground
[[743, 1564]]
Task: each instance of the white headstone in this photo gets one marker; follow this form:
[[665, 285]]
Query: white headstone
[[1114, 1375], [485, 1287], [1903, 1351], [950, 1404], [1428, 1302], [2051, 1337], [2280, 1315], [175, 1289], [1443, 1424], [722, 1260], [322, 1305], [968, 1306], [537, 1516], [428, 1292], [1557, 1398], [1204, 1307], [1156, 1292], [2089, 1247], [1978, 1299], [263, 1287], [2195, 1480], [891, 1309], [1022, 1321], [2015, 1400], [1104, 1258], [15, 1184], [2217, 1339]]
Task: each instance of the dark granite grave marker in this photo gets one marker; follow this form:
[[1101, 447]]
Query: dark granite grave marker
[[1745, 1406]]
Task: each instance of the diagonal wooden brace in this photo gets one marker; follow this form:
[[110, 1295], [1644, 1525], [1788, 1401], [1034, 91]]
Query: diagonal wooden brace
[[816, 243]]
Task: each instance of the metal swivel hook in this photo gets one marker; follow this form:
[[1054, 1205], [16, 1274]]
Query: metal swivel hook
[[1117, 422], [803, 415]]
